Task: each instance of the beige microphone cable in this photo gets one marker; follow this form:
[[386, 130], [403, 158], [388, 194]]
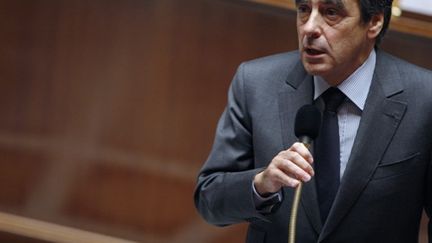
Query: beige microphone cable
[[306, 128]]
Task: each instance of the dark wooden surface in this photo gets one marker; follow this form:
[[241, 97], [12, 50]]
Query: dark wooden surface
[[108, 107]]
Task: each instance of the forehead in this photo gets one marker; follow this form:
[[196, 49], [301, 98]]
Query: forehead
[[334, 2], [347, 5]]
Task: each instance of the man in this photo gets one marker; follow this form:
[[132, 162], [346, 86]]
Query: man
[[384, 134]]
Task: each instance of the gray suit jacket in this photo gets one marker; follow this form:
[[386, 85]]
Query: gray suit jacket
[[388, 179]]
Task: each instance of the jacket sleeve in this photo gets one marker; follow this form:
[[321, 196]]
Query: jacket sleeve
[[224, 193], [428, 204]]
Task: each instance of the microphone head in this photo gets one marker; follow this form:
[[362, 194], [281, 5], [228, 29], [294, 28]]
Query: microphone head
[[307, 122]]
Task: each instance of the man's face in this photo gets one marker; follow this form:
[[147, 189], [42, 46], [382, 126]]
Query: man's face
[[333, 41]]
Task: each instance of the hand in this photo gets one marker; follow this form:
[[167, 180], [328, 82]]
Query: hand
[[288, 168]]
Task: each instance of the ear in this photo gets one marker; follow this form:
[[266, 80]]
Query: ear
[[375, 26]]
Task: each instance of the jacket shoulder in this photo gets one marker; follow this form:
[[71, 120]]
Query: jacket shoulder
[[274, 69], [406, 68], [272, 63]]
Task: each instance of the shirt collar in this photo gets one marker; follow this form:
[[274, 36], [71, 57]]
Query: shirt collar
[[356, 86]]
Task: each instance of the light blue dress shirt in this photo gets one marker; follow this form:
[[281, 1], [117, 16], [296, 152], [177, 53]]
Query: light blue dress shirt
[[356, 88]]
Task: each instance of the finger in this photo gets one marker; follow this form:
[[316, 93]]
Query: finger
[[299, 160], [285, 180], [301, 149], [294, 170]]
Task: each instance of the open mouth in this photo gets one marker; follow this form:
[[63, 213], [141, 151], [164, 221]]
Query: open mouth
[[311, 51]]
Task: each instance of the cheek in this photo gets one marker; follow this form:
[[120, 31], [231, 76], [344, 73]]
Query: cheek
[[341, 50], [340, 44]]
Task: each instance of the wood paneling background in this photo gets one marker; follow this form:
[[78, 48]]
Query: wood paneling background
[[108, 107]]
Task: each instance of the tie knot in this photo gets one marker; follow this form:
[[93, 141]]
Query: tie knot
[[333, 98]]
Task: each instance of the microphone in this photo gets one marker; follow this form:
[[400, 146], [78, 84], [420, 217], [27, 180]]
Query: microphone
[[307, 124], [306, 128]]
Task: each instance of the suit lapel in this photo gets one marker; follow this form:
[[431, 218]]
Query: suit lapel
[[382, 116], [298, 92]]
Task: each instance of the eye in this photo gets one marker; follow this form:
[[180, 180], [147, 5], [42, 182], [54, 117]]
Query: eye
[[332, 14], [303, 11], [302, 8]]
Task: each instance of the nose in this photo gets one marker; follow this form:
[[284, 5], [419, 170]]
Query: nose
[[313, 26]]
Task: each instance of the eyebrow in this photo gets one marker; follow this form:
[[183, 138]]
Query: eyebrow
[[338, 3], [297, 2]]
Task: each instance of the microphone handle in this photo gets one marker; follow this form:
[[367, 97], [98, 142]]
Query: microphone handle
[[297, 194]]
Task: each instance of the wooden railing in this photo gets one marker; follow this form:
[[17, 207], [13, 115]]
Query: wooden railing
[[40, 230]]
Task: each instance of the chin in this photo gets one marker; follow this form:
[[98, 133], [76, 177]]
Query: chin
[[318, 66], [316, 69]]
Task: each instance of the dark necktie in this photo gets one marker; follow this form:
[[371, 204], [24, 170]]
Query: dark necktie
[[327, 152]]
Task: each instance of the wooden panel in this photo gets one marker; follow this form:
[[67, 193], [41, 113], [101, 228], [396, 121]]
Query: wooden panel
[[173, 107], [13, 238], [20, 171], [124, 197], [411, 48]]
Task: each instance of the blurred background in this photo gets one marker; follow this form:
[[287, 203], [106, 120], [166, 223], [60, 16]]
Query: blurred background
[[108, 109]]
